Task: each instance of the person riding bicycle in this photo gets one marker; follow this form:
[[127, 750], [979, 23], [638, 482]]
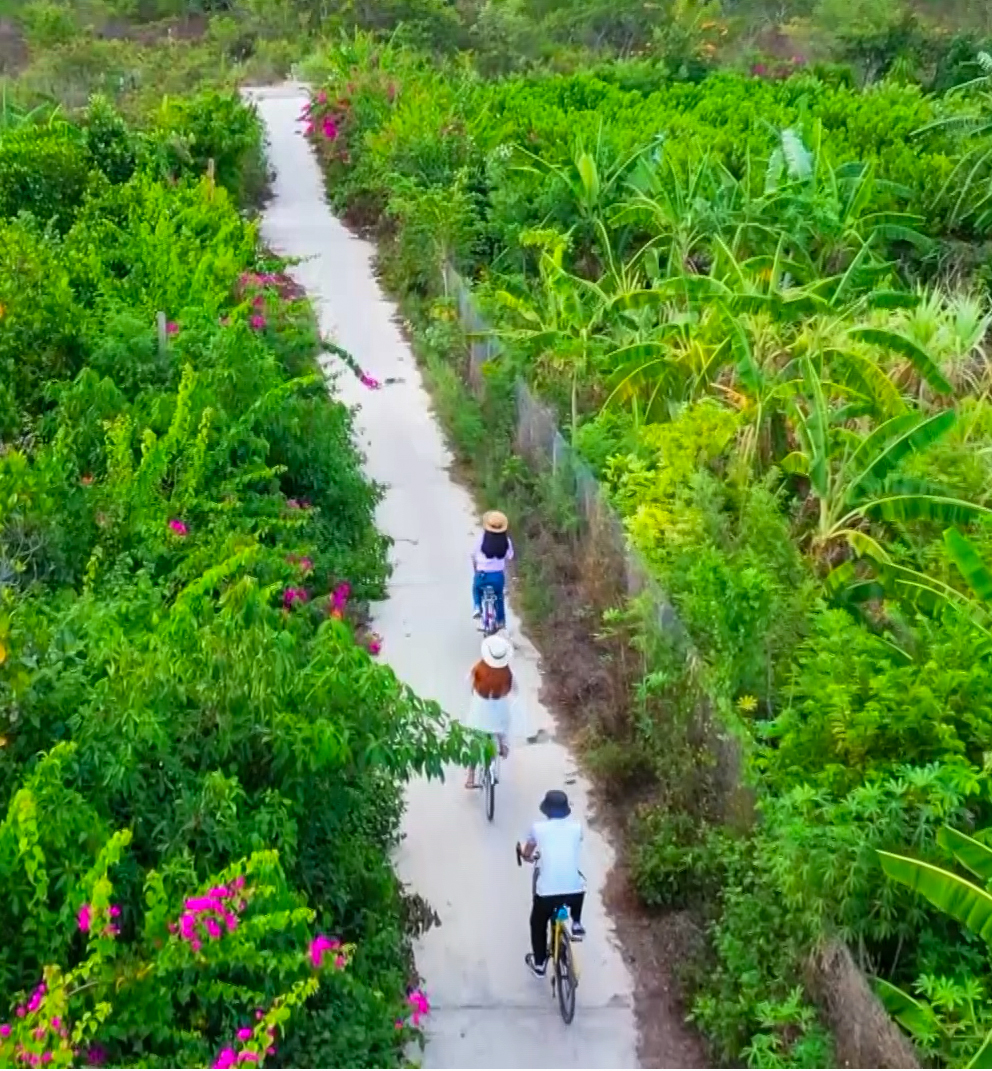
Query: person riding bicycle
[[492, 550], [493, 686], [557, 840]]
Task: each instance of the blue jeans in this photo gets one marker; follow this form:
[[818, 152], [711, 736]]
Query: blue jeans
[[496, 581]]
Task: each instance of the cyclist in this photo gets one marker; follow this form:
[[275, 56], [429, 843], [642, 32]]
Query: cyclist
[[493, 687], [557, 840], [492, 550]]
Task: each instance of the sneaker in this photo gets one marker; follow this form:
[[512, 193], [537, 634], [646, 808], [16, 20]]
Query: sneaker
[[538, 972], [578, 931]]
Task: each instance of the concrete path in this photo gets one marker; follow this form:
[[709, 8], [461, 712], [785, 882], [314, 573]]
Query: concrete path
[[487, 1010]]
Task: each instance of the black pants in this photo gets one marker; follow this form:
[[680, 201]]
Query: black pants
[[541, 913]]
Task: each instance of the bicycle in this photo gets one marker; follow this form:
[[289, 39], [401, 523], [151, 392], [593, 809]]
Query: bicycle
[[490, 779], [489, 624], [561, 952]]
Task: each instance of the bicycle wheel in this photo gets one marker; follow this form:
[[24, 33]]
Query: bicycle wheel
[[564, 976], [489, 791]]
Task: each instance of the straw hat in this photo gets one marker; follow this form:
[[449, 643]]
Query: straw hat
[[494, 521], [496, 652]]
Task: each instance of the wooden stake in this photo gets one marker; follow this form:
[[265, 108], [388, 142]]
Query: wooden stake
[[163, 334]]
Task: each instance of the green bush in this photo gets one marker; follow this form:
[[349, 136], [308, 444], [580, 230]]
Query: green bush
[[45, 172], [186, 701]]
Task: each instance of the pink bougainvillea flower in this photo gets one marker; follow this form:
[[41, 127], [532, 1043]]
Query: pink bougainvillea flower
[[306, 564], [178, 527], [96, 1056], [46, 1057], [308, 129], [249, 1055], [115, 911], [322, 97], [39, 1032], [84, 918], [292, 503], [172, 328], [21, 1011], [5, 1030], [374, 643], [259, 1014], [257, 322], [330, 128], [321, 944], [56, 1023], [419, 1004], [369, 381], [291, 596], [226, 1058], [244, 1033]]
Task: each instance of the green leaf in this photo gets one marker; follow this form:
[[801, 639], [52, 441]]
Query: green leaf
[[955, 896], [968, 852], [881, 452], [905, 347], [919, 1019], [983, 1058], [922, 507], [969, 564], [740, 345]]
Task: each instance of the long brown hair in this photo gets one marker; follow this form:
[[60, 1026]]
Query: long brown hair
[[491, 683]]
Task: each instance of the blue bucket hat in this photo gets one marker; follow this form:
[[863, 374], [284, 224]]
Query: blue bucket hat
[[555, 804]]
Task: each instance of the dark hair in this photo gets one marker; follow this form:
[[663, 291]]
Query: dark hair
[[495, 544], [491, 683]]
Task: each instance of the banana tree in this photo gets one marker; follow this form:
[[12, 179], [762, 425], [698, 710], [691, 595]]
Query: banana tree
[[831, 212], [972, 175], [969, 902], [924, 590], [851, 476], [563, 322]]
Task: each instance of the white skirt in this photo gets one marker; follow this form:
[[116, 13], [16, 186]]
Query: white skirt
[[489, 715]]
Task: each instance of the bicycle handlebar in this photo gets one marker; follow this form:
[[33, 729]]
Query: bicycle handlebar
[[520, 856]]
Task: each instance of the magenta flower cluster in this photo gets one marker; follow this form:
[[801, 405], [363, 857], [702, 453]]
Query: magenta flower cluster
[[340, 596], [39, 1032], [86, 917], [320, 946], [420, 1007], [369, 381], [292, 596], [211, 914], [229, 1057], [33, 1004], [179, 527]]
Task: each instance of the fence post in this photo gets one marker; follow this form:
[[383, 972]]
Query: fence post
[[163, 334], [211, 172]]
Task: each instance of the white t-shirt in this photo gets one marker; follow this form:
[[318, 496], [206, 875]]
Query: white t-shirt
[[559, 840]]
